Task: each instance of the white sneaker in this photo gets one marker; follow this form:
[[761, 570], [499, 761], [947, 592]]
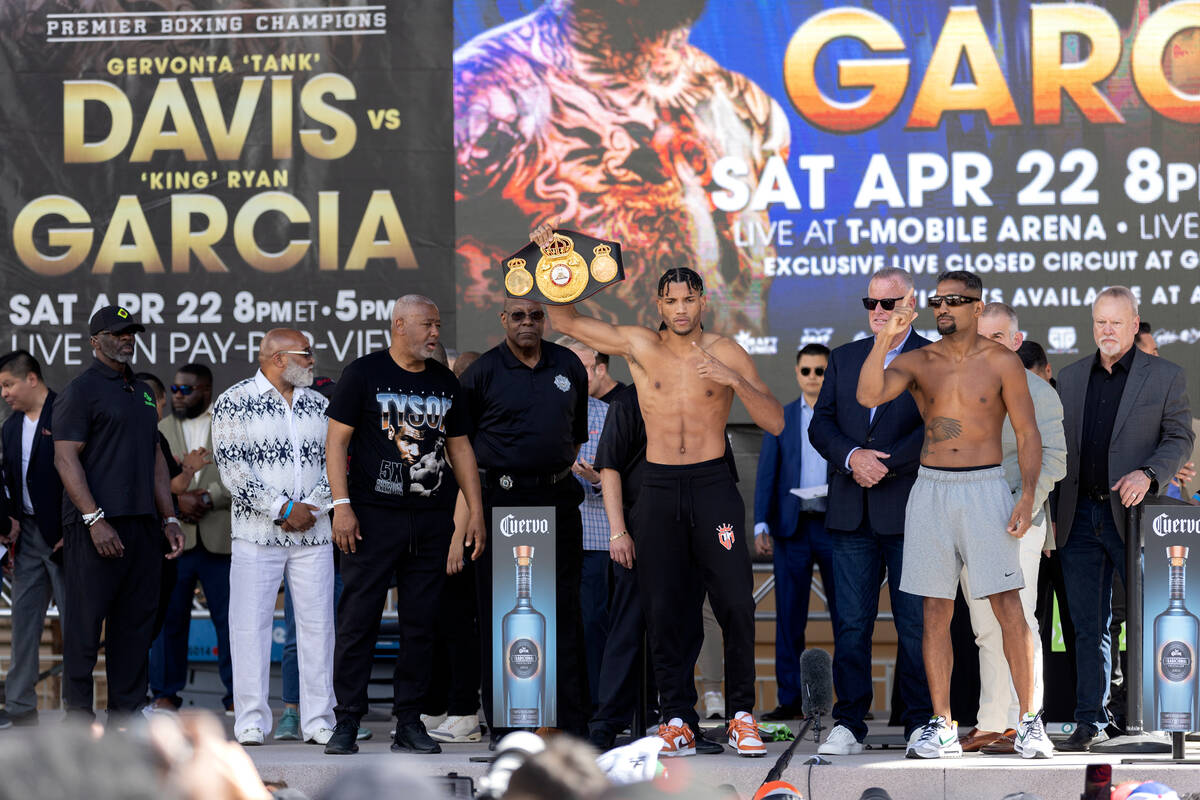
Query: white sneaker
[[714, 705], [840, 742], [321, 737], [913, 738], [430, 721], [250, 737], [458, 729], [938, 739], [1031, 740]]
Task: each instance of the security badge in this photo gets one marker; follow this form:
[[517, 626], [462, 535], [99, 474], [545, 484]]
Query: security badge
[[562, 274]]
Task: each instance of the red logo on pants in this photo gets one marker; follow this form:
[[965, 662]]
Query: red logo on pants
[[725, 536]]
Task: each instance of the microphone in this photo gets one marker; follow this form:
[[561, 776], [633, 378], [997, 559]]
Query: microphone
[[816, 683], [816, 699]]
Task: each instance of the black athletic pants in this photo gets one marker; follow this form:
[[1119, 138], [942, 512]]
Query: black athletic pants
[[574, 703], [621, 667], [689, 534], [120, 595], [454, 685], [411, 546]]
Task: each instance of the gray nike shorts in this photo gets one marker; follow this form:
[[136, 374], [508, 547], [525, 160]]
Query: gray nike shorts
[[955, 518]]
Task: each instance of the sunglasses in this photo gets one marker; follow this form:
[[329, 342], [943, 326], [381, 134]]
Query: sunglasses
[[182, 388], [806, 371], [952, 300], [888, 303], [519, 316]]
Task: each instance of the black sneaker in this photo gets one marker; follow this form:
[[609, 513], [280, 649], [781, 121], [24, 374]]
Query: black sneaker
[[5, 720], [1081, 739], [782, 712], [706, 746], [411, 737], [602, 739], [344, 740]]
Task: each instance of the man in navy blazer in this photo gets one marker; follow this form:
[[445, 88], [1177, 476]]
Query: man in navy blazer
[[873, 456], [793, 529], [35, 504]]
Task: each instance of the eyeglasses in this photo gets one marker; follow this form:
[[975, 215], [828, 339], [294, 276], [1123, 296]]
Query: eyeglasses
[[888, 303], [952, 300], [806, 371], [182, 388], [306, 353], [519, 316]]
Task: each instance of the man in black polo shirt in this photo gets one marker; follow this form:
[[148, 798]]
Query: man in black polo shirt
[[107, 454], [527, 402], [396, 414]]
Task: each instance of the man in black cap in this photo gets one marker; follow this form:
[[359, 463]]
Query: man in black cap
[[106, 451]]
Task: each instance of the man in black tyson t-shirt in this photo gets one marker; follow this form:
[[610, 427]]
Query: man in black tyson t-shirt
[[397, 415]]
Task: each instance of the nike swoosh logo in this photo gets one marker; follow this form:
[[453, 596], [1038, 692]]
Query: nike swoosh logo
[[946, 740], [1010, 574]]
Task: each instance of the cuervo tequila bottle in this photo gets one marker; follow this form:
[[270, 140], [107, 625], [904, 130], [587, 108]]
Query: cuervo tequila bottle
[[524, 632], [1175, 639]]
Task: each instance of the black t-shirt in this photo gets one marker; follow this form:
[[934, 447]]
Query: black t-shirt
[[401, 420], [116, 419], [529, 421]]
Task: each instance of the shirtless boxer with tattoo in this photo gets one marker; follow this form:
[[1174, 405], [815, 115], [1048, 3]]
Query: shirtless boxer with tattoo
[[690, 519], [961, 510]]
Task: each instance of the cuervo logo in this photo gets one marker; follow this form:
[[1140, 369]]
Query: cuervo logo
[[1163, 524], [510, 525]]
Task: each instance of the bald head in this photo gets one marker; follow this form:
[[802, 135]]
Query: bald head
[[285, 355]]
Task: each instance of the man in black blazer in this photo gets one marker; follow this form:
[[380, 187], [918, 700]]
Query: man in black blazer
[[35, 504], [873, 456], [1129, 429]]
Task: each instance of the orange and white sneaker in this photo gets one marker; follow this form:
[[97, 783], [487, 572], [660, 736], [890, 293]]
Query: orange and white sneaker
[[744, 736], [678, 739]]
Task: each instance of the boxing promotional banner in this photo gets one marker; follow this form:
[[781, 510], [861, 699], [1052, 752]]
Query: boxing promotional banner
[[787, 150], [222, 170]]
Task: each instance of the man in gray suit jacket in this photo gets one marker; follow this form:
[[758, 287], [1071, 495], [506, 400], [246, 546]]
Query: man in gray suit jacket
[[1129, 429]]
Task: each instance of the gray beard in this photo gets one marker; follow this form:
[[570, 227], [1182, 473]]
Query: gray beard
[[113, 350], [297, 375]]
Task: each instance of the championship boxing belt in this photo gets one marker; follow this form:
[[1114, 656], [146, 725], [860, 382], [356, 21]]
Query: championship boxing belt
[[568, 269]]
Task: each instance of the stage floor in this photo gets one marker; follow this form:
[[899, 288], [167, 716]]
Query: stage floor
[[973, 777]]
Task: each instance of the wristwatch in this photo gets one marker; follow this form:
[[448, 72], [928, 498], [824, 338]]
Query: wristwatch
[[1150, 473], [170, 520]]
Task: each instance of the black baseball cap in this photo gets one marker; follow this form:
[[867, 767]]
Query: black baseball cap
[[114, 319]]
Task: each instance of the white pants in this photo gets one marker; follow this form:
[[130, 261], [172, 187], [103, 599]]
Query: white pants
[[998, 706], [255, 573]]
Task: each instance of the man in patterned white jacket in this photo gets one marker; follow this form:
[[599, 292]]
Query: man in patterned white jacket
[[268, 436]]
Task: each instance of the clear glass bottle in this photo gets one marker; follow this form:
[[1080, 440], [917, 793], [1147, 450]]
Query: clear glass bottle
[[524, 632], [1176, 631]]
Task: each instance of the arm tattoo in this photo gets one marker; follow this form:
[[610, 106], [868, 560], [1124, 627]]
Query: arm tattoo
[[939, 430]]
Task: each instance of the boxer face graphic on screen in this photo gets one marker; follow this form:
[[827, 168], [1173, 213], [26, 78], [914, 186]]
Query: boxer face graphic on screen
[[601, 115]]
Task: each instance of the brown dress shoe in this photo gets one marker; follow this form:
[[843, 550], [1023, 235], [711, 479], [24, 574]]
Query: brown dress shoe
[[1002, 746], [977, 739]]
